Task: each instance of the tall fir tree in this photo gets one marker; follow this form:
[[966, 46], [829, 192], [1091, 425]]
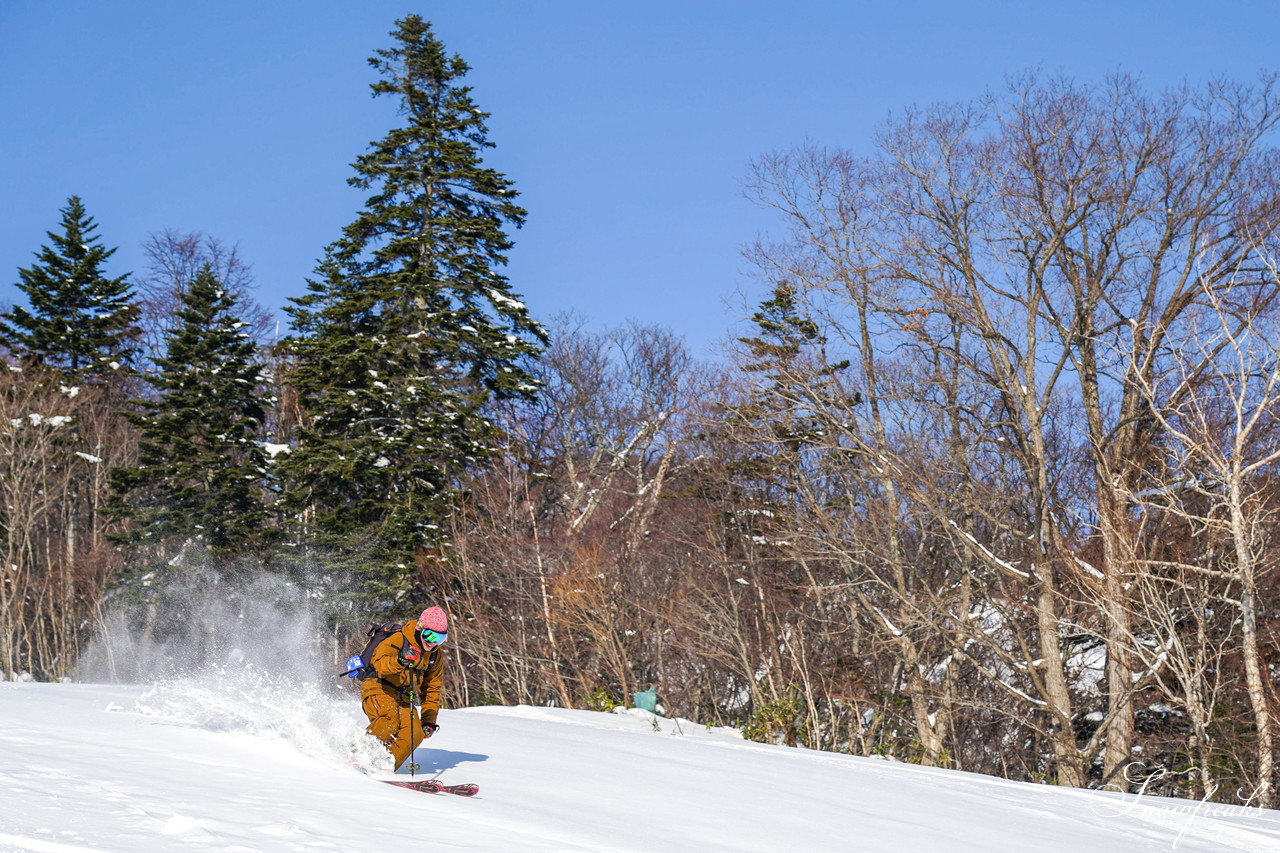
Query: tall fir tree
[[783, 419], [201, 466], [409, 329], [81, 322], [789, 353]]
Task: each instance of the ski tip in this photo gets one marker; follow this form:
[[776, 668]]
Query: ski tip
[[468, 790]]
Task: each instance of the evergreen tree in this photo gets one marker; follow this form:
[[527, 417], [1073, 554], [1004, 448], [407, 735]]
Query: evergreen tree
[[409, 329], [200, 464], [80, 322], [790, 353]]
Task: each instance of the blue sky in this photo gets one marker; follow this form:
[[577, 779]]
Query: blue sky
[[627, 127]]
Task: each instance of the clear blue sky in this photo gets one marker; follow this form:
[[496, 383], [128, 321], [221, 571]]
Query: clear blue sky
[[626, 126]]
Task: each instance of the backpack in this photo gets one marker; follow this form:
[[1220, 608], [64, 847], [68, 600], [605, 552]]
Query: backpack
[[361, 666]]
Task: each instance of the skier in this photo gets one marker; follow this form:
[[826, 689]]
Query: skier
[[408, 667]]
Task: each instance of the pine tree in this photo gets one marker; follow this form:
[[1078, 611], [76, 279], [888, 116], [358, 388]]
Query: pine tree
[[80, 322], [409, 329], [201, 467], [789, 353]]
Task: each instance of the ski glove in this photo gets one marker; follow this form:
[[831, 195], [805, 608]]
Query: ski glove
[[428, 729], [409, 657]]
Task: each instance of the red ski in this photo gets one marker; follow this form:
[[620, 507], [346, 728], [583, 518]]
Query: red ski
[[431, 786], [427, 786]]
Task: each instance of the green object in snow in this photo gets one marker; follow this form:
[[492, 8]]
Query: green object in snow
[[646, 700]]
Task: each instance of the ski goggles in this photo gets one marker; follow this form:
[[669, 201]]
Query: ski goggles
[[432, 638]]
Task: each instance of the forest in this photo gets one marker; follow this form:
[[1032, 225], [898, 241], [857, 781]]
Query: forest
[[988, 485]]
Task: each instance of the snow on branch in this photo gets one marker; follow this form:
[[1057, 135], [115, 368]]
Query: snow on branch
[[1008, 567]]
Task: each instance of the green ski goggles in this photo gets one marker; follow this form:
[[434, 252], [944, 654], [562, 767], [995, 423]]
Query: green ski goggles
[[432, 638]]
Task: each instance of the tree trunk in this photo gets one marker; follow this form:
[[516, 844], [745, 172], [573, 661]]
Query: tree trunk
[[1068, 761], [1253, 667]]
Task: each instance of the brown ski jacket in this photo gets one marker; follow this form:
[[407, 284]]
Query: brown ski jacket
[[404, 685]]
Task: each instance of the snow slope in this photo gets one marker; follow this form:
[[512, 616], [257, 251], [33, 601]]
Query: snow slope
[[236, 763]]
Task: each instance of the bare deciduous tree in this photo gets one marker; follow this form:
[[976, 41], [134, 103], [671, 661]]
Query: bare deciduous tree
[[55, 444], [173, 260], [1220, 431], [1021, 265]]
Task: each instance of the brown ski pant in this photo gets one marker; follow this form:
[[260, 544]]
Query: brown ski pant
[[396, 725]]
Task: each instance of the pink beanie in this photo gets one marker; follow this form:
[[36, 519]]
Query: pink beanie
[[433, 619]]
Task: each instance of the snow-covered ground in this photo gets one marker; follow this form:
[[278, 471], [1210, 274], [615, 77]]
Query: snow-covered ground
[[245, 763]]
